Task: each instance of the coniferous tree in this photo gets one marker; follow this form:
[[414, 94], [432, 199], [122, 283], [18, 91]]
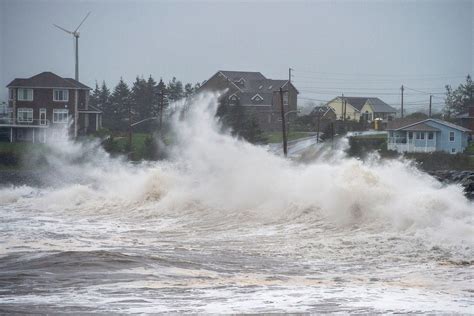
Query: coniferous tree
[[458, 100], [103, 99], [175, 90], [139, 99], [120, 103], [94, 97], [188, 90], [151, 97]]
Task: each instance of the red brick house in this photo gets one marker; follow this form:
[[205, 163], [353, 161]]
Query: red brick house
[[256, 93], [47, 106]]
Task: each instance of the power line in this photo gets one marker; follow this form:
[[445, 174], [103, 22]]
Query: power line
[[430, 76]]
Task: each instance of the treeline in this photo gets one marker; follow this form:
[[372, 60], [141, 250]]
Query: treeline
[[143, 99]]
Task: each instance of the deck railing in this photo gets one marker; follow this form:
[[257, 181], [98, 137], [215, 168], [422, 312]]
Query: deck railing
[[18, 121]]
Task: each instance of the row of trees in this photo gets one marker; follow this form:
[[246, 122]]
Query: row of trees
[[458, 100], [142, 100]]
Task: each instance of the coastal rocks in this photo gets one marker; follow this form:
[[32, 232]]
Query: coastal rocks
[[465, 178]]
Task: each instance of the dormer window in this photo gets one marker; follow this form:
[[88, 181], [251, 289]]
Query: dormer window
[[257, 98], [61, 95], [240, 82], [233, 99]]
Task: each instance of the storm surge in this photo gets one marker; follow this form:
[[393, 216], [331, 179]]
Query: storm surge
[[279, 222]]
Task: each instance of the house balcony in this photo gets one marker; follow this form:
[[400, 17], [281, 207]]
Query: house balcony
[[17, 122], [401, 144]]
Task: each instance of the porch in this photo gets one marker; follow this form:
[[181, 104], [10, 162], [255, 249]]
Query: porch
[[16, 129]]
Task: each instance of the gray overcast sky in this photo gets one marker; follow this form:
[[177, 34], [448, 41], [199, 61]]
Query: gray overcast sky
[[355, 47]]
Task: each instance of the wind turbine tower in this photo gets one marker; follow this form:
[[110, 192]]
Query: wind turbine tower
[[75, 33]]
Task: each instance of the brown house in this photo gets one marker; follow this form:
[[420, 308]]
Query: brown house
[[47, 106], [467, 119], [255, 93]]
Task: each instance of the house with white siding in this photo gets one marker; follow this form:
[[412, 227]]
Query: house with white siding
[[426, 135]]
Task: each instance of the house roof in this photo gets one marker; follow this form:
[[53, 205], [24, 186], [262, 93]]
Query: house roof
[[378, 106], [246, 98], [422, 127], [321, 109], [47, 80], [402, 122], [406, 124], [246, 75]]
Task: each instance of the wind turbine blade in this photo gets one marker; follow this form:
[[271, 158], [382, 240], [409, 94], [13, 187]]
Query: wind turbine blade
[[63, 29], [82, 21]]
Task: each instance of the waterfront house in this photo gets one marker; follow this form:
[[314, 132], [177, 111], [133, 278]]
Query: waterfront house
[[370, 108], [46, 107], [255, 93], [426, 135]]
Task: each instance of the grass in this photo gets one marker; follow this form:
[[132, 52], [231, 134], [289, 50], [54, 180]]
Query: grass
[[20, 148], [470, 149], [277, 137]]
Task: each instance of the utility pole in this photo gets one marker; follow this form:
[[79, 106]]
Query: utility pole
[[342, 108], [162, 101], [430, 105], [283, 124], [402, 101], [130, 130], [319, 124]]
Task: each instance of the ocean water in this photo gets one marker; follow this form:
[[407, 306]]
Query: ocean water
[[227, 227]]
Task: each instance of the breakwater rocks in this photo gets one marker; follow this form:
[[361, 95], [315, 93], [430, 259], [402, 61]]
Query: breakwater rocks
[[465, 178]]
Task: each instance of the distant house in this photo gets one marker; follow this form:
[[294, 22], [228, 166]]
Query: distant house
[[467, 119], [369, 108], [426, 135], [255, 93], [47, 106]]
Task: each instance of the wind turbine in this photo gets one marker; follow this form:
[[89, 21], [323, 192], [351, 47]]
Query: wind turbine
[[75, 33]]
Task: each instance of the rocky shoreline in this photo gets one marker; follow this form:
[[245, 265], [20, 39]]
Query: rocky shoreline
[[465, 178]]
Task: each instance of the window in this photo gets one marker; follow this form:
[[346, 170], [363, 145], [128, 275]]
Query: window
[[420, 135], [233, 100], [11, 94], [451, 136], [410, 135], [453, 150], [42, 117], [25, 94], [257, 98], [25, 115], [60, 115], [430, 135], [285, 98], [61, 95]]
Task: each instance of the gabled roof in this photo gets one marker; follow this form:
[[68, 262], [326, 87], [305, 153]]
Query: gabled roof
[[379, 106], [358, 103], [47, 80], [407, 124], [324, 109], [246, 75], [420, 127], [246, 99]]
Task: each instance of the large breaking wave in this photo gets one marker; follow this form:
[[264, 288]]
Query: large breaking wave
[[212, 177]]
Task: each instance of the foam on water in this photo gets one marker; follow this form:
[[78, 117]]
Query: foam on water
[[219, 197]]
